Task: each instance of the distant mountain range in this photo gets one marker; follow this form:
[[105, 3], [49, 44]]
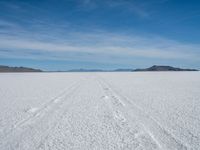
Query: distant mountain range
[[18, 69], [153, 68], [99, 70], [164, 68], [84, 70]]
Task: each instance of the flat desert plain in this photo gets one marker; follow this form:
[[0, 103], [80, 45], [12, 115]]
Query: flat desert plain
[[107, 111]]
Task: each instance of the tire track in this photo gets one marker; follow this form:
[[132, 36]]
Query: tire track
[[134, 130], [50, 107], [161, 136], [63, 107]]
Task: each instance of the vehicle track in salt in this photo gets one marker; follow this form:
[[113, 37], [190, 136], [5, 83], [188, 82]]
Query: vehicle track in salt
[[92, 117], [45, 136], [163, 138], [134, 128], [30, 124]]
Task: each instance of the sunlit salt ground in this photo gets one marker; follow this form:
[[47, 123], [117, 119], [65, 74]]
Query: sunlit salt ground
[[142, 111]]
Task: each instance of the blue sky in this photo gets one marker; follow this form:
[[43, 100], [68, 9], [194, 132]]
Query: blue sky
[[99, 34]]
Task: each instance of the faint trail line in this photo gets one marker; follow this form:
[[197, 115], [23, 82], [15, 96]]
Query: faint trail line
[[47, 106], [44, 137], [119, 110], [161, 135]]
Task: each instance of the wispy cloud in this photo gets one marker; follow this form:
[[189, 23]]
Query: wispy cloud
[[99, 43], [130, 6], [124, 5], [44, 39]]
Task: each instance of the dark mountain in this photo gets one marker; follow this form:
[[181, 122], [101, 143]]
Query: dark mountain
[[17, 69], [153, 68], [164, 68]]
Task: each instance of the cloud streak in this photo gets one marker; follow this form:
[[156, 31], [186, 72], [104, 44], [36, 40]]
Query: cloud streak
[[124, 5], [103, 44], [23, 37]]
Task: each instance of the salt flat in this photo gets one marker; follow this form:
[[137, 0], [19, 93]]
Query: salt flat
[[139, 110]]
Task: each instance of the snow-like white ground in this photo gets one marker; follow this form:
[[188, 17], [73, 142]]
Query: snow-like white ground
[[141, 111]]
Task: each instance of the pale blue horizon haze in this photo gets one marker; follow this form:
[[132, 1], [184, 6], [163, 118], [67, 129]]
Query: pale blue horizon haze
[[99, 34]]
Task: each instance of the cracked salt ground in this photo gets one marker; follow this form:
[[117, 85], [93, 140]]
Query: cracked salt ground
[[32, 110], [100, 111], [101, 129]]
